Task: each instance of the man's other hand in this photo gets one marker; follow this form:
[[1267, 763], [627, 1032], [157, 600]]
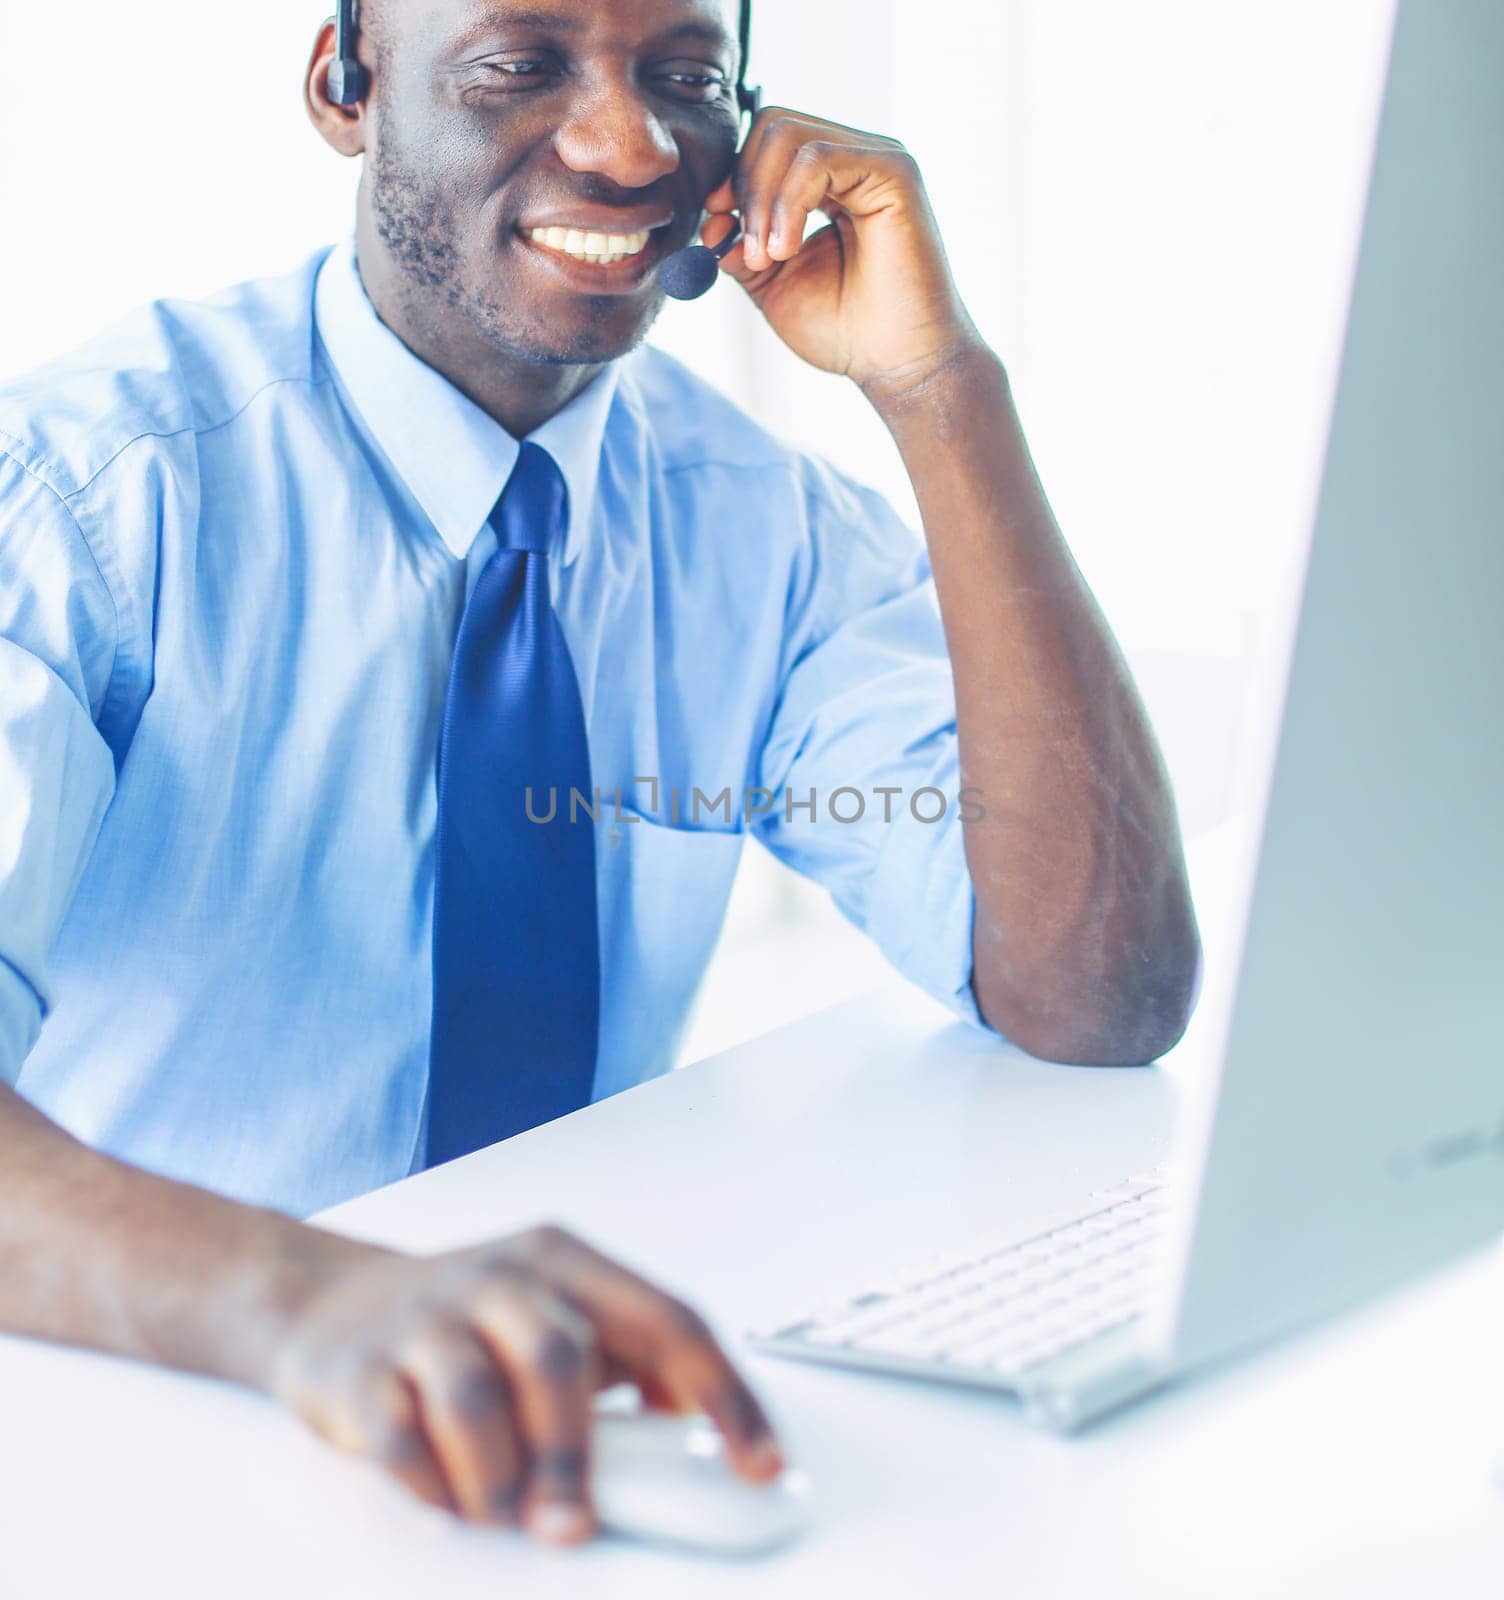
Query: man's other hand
[[470, 1376]]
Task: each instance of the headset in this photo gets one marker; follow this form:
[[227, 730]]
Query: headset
[[687, 273], [350, 83]]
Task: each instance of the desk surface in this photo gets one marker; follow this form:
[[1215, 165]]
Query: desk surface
[[1356, 1461]]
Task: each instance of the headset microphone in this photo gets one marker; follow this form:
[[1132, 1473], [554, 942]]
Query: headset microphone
[[687, 274], [349, 82]]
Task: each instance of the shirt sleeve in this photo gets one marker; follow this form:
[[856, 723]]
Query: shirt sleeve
[[58, 643], [860, 770]]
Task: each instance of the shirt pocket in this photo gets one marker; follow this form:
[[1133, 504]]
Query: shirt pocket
[[662, 895]]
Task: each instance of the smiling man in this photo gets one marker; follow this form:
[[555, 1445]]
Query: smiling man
[[394, 658]]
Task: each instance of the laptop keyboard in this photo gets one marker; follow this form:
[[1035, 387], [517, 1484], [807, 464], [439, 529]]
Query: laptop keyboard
[[996, 1312]]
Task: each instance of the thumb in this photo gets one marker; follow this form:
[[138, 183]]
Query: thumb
[[717, 228]]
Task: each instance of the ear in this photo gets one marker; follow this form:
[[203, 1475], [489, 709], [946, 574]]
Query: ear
[[343, 127]]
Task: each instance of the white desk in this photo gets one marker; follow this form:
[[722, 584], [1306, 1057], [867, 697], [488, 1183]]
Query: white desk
[[1355, 1462]]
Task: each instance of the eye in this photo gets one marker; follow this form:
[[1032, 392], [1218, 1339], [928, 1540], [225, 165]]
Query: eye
[[519, 67], [698, 88]]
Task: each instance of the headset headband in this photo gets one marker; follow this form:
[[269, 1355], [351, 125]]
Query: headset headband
[[349, 83]]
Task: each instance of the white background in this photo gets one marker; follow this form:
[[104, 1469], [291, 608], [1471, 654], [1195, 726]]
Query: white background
[[1151, 210]]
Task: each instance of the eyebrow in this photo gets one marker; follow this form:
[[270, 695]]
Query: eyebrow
[[704, 32], [559, 20], [562, 22]]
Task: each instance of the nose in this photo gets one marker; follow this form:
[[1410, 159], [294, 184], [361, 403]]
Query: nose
[[611, 130]]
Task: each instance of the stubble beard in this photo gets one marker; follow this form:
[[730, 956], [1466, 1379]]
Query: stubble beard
[[415, 221]]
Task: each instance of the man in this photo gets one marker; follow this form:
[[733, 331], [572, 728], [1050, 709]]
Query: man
[[266, 562]]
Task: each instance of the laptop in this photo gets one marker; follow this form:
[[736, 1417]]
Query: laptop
[[1351, 1134]]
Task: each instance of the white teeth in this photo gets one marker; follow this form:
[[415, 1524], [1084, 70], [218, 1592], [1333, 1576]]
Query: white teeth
[[603, 248]]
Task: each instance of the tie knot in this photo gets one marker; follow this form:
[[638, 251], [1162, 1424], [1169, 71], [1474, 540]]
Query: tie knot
[[534, 506]]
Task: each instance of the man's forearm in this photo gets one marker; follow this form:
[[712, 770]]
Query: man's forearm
[[1085, 941], [96, 1253], [469, 1376]]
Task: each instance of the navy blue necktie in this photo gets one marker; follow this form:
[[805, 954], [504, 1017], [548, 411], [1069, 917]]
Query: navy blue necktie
[[516, 959]]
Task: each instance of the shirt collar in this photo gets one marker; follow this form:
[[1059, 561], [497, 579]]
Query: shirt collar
[[453, 457]]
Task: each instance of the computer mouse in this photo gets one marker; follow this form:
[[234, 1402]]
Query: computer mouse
[[667, 1480]]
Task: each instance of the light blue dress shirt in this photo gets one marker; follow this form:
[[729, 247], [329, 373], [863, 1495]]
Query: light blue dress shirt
[[236, 539]]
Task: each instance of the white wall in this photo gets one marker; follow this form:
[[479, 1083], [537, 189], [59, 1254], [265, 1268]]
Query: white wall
[[1151, 210], [182, 162]]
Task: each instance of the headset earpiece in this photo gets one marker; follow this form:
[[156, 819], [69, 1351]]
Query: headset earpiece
[[349, 82], [749, 99]]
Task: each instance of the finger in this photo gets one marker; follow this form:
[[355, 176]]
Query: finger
[[805, 186], [742, 166], [673, 1347], [734, 262], [722, 198], [754, 172], [468, 1417], [659, 1339], [862, 173], [773, 124], [386, 1427], [765, 159], [656, 1395], [716, 228], [548, 1352]]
